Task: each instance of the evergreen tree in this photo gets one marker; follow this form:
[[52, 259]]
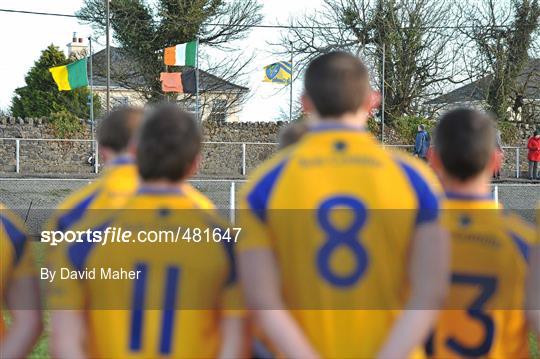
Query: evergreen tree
[[41, 98]]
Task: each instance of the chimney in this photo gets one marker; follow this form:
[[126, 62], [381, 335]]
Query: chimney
[[77, 48]]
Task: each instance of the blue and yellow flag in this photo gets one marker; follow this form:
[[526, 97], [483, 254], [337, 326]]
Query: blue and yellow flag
[[278, 73]]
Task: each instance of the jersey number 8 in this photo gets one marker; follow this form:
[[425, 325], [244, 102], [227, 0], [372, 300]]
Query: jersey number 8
[[338, 237]]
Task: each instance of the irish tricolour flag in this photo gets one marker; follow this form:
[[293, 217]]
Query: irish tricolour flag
[[182, 55]]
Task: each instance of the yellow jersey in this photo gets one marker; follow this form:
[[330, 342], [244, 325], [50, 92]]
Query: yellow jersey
[[15, 254], [173, 303], [339, 212], [484, 316], [117, 184]]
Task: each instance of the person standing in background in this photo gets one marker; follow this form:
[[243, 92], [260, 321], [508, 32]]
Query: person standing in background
[[534, 155], [500, 154], [421, 143]]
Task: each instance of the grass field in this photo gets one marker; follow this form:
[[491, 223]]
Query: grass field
[[41, 350]]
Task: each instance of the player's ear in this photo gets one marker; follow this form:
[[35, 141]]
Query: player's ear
[[105, 154], [132, 146], [307, 104], [194, 167], [436, 163]]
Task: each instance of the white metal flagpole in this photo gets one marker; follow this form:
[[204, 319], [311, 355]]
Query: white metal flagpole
[[382, 91], [91, 102], [291, 83], [91, 87], [199, 118], [108, 54]]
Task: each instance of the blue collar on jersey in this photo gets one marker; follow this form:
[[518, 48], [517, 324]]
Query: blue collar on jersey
[[469, 197], [332, 126], [159, 191], [122, 160]]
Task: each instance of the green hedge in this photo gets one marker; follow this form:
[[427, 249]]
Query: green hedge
[[65, 124]]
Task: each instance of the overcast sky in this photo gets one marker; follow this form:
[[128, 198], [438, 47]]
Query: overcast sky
[[25, 36]]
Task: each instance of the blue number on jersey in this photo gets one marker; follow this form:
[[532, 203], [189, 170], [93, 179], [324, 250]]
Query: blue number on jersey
[[488, 286], [336, 237]]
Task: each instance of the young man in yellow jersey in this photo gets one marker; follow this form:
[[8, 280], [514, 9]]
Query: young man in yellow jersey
[[340, 235], [119, 178], [19, 290], [116, 137], [489, 309], [176, 301]]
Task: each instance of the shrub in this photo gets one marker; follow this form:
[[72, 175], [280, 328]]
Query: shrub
[[509, 132], [374, 126], [65, 124]]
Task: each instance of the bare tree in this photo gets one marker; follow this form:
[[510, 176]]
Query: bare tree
[[503, 35], [416, 36], [144, 28]]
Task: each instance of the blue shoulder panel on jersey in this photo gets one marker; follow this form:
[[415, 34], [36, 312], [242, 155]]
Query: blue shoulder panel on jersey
[[78, 252], [260, 193], [522, 246], [229, 251], [17, 238], [74, 214], [428, 202]]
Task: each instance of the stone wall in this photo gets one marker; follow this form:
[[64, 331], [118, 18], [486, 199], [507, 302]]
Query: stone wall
[[42, 157], [63, 159], [226, 159], [70, 158]]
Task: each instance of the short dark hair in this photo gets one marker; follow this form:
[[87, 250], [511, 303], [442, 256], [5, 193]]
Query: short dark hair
[[292, 133], [169, 142], [117, 129], [465, 141], [337, 83], [422, 127]]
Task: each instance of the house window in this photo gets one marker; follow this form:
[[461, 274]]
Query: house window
[[219, 110]]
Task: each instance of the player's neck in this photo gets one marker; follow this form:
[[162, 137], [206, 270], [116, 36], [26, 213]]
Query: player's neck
[[476, 187], [160, 184], [352, 120], [119, 158]]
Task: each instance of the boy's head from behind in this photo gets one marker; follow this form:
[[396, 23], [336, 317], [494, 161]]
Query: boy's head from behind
[[337, 84], [169, 145], [115, 132], [465, 145]]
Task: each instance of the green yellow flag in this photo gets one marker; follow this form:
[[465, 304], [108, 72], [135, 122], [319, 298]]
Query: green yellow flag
[[278, 73], [70, 76]]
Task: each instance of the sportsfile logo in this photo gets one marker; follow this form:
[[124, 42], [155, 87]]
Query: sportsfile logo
[[111, 235]]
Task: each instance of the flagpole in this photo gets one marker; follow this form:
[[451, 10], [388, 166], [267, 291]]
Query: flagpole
[[167, 97], [92, 125], [382, 91], [291, 83], [108, 54], [199, 117]]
